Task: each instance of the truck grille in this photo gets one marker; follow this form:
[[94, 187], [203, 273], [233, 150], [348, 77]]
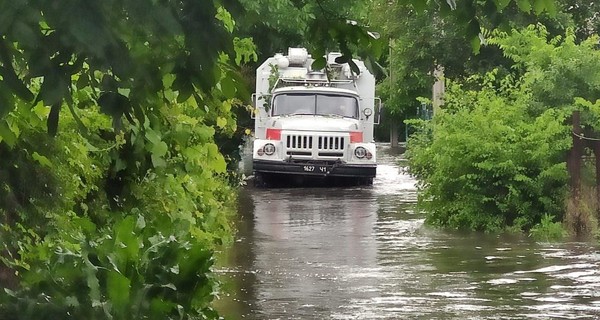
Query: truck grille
[[324, 146], [299, 142], [331, 143]]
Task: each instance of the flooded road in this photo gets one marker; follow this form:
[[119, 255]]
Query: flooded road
[[364, 253]]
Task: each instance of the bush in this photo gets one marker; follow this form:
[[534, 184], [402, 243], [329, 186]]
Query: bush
[[484, 164], [548, 230], [109, 224]]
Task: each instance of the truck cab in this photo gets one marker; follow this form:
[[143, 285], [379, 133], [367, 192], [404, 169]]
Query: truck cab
[[314, 123]]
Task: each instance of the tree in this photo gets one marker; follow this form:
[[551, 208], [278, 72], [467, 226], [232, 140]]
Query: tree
[[471, 14], [318, 25], [485, 164], [133, 192], [498, 150], [132, 44], [425, 38]]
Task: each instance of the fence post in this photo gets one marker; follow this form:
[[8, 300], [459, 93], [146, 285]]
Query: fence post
[[574, 156]]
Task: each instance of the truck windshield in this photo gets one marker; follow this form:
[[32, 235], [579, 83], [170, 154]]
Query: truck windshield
[[315, 104]]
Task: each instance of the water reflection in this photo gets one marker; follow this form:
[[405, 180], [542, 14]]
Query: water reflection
[[363, 253]]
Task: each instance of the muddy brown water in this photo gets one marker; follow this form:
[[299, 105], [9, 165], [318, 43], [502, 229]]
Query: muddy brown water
[[364, 253]]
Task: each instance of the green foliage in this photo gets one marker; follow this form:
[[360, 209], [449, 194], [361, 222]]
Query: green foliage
[[321, 26], [115, 214], [584, 14], [548, 230], [486, 164], [138, 269], [559, 68], [132, 44], [423, 39], [275, 24], [471, 13], [105, 233], [494, 156]]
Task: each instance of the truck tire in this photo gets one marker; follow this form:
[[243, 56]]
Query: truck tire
[[259, 180]]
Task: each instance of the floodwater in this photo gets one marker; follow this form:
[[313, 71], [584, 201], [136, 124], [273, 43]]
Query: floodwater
[[364, 253]]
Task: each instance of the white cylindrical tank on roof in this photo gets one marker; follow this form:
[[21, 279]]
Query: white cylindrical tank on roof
[[297, 56], [282, 62]]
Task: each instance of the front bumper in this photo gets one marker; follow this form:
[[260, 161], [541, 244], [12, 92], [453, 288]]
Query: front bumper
[[315, 169]]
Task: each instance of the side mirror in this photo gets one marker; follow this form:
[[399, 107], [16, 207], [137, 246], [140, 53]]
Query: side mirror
[[378, 107], [253, 112]]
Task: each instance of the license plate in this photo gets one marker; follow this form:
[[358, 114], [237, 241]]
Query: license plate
[[318, 169]]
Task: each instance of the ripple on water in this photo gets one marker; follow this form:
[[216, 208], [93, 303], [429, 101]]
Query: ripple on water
[[363, 253], [391, 180], [558, 268]]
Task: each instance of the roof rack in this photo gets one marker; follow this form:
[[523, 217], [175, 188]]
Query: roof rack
[[304, 81]]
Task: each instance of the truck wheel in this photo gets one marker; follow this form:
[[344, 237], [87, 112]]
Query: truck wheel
[[259, 180]]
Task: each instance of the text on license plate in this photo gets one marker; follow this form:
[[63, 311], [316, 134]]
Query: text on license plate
[[321, 169]]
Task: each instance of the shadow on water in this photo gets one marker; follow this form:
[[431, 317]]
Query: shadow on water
[[364, 253]]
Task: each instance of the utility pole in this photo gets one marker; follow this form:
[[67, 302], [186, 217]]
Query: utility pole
[[438, 88], [393, 126]]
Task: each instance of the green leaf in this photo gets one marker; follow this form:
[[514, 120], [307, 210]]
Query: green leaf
[[473, 29], [25, 33], [319, 63], [6, 134], [205, 133], [114, 104], [158, 161], [342, 59], [475, 44], [501, 4], [354, 67], [120, 164], [6, 101], [185, 92], [228, 87], [550, 6], [419, 5], [118, 289], [41, 160], [152, 136], [109, 83], [54, 88], [538, 6], [163, 16], [217, 162], [126, 240], [524, 5], [160, 149], [90, 272], [86, 26], [139, 113], [15, 84], [221, 122], [160, 308], [225, 17]]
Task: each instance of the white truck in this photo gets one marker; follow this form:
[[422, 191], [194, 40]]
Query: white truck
[[314, 123]]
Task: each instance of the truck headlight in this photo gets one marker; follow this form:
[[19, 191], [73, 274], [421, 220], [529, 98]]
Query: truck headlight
[[360, 152], [269, 149]]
